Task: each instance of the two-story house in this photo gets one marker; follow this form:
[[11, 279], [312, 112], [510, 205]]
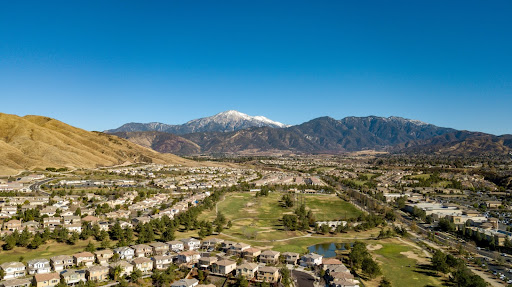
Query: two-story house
[[290, 257], [176, 246], [46, 280], [97, 273], [125, 252], [143, 264], [126, 268], [73, 276], [84, 258], [191, 243], [159, 248], [161, 262], [13, 270], [38, 266], [268, 274], [103, 256], [247, 270], [223, 267], [61, 262], [142, 250], [269, 257]]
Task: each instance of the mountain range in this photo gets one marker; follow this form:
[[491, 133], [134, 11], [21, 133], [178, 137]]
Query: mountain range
[[227, 121], [223, 134], [32, 142]]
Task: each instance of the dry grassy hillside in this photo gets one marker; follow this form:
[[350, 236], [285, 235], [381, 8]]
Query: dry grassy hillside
[[38, 142]]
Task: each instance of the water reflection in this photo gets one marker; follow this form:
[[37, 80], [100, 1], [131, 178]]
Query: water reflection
[[327, 249]]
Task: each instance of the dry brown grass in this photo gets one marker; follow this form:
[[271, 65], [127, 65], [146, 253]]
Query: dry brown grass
[[31, 142]]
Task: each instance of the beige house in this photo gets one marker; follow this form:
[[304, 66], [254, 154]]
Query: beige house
[[103, 256], [62, 262], [159, 248], [206, 262], [290, 257], [247, 270], [251, 254], [126, 268], [142, 250], [161, 262], [12, 225], [223, 267], [268, 274], [15, 283], [143, 264], [97, 273], [46, 280], [269, 257], [84, 258], [13, 269]]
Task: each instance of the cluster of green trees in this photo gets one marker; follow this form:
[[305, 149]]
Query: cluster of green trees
[[360, 258], [461, 275], [164, 228], [301, 220], [287, 200]]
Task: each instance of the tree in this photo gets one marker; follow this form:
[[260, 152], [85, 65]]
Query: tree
[[370, 267], [36, 241], [290, 222], [358, 253], [385, 282], [90, 247], [286, 279], [2, 274], [439, 261], [229, 224], [136, 275], [10, 242]]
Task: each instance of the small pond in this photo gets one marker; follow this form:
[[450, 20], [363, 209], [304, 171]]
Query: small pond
[[327, 250]]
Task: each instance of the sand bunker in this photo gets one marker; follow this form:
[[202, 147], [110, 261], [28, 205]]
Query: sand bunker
[[412, 255], [373, 247]]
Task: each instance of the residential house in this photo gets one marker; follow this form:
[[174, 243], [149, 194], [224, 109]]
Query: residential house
[[176, 246], [226, 245], [46, 280], [269, 257], [13, 269], [62, 262], [161, 262], [15, 283], [51, 222], [205, 262], [191, 243], [247, 270], [159, 248], [71, 219], [223, 267], [90, 219], [142, 250], [143, 264], [290, 257], [13, 225], [311, 259], [97, 273], [125, 252], [126, 268], [73, 227], [32, 226], [211, 244], [38, 266], [188, 257], [268, 274], [141, 220], [103, 256], [84, 258], [239, 248], [73, 276], [185, 283], [251, 254], [48, 210]]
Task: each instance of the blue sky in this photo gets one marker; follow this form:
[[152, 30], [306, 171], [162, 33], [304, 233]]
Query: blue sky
[[99, 64]]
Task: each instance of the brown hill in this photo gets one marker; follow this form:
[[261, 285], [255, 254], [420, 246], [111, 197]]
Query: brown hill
[[38, 142], [162, 142]]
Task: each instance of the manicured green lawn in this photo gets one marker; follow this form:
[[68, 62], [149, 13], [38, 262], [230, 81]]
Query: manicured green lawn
[[44, 251], [258, 218], [403, 271]]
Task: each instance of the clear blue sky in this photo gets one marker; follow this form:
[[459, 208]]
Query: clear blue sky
[[99, 64]]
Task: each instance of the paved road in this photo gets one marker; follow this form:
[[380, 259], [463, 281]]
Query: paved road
[[303, 279]]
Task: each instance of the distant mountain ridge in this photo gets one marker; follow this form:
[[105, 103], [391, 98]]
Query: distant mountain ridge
[[227, 121], [326, 135]]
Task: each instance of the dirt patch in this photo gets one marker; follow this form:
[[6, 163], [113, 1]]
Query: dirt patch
[[412, 255], [249, 204], [373, 247]]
